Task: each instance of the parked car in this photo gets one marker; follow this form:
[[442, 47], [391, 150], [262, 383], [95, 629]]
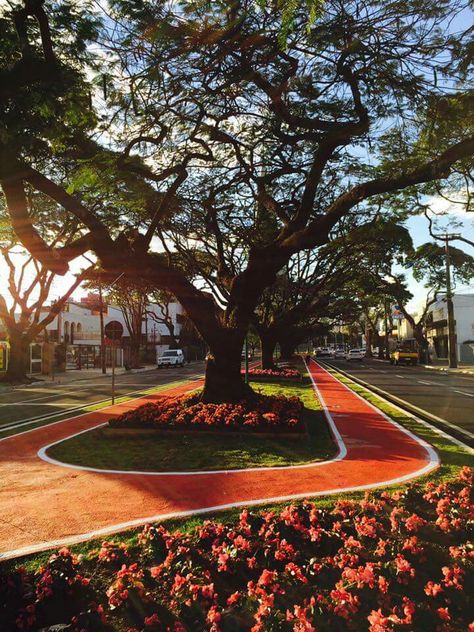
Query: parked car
[[172, 357], [355, 354], [340, 353], [324, 352]]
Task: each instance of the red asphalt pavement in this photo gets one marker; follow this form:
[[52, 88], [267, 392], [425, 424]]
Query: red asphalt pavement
[[44, 505]]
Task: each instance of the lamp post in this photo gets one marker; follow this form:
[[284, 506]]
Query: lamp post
[[385, 309]]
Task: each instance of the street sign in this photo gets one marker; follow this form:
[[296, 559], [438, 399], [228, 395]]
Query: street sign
[[113, 330]]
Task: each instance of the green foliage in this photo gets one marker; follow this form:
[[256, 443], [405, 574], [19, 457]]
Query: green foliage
[[40, 116], [428, 265]]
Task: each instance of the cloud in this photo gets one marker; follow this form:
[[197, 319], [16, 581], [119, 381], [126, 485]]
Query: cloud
[[456, 204]]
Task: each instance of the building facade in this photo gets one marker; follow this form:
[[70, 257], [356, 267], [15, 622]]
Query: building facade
[[77, 329], [437, 327]]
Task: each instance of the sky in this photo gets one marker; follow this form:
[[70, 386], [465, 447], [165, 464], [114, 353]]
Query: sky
[[456, 220]]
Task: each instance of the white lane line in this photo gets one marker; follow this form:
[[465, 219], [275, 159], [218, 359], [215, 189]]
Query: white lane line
[[341, 454], [463, 393], [428, 383], [400, 376], [34, 404], [433, 462], [367, 386], [84, 385], [37, 419]]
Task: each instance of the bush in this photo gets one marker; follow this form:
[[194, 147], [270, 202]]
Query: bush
[[394, 561], [266, 414]]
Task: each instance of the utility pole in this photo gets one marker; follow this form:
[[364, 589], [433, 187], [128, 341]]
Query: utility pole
[[452, 351], [385, 310], [102, 336]]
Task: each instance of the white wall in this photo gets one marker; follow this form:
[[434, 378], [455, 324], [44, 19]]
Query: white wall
[[89, 323]]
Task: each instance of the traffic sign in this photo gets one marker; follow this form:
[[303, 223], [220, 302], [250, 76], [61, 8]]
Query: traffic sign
[[113, 330]]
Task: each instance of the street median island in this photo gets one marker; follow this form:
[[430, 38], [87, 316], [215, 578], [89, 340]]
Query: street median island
[[283, 426]]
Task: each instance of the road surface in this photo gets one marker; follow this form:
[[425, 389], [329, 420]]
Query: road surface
[[38, 401], [449, 396], [45, 503]]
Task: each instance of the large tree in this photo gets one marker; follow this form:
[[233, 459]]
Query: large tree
[[26, 308], [240, 150]]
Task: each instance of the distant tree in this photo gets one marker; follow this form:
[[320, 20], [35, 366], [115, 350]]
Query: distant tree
[[428, 266], [164, 317], [24, 307], [250, 148], [132, 298]]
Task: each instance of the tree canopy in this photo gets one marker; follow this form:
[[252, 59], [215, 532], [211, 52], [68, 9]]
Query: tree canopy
[[196, 147]]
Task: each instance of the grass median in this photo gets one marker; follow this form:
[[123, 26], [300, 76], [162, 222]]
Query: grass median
[[107, 448]]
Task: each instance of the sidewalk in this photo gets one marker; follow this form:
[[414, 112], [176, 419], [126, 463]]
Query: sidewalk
[[75, 375], [462, 368]]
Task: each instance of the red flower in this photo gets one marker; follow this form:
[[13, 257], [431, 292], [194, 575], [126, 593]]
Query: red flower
[[443, 614], [432, 589], [152, 620]]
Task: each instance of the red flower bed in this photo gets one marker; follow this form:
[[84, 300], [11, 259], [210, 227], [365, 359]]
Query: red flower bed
[[266, 414], [394, 561], [283, 373]]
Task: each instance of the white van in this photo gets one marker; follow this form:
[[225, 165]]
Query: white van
[[172, 357]]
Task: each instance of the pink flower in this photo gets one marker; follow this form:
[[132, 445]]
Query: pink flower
[[414, 523], [432, 589], [378, 622], [267, 578]]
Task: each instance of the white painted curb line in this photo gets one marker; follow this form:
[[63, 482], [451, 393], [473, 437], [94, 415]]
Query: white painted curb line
[[341, 454], [432, 464]]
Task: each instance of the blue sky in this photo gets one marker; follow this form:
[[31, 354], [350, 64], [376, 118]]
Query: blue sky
[[457, 222]]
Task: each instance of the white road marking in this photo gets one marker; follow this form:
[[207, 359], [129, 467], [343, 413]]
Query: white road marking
[[400, 376], [433, 462], [368, 386], [428, 383], [38, 418], [341, 454], [463, 393]]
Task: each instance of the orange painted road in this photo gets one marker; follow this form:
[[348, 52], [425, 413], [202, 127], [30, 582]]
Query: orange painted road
[[43, 504]]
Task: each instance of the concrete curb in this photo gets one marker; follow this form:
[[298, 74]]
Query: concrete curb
[[446, 369], [61, 376]]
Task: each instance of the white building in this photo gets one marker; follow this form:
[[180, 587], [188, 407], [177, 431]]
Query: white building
[[78, 326], [437, 327]]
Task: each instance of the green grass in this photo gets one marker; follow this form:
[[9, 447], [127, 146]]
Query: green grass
[[452, 459], [108, 448]]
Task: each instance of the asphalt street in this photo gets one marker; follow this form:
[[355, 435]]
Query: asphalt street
[[40, 401], [449, 396]]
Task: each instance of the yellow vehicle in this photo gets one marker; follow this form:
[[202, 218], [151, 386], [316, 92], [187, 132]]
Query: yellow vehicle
[[405, 355]]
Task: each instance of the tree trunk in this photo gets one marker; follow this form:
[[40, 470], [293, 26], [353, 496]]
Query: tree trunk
[[287, 350], [423, 345], [267, 345], [134, 353], [368, 343], [379, 342], [18, 362], [224, 381]]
